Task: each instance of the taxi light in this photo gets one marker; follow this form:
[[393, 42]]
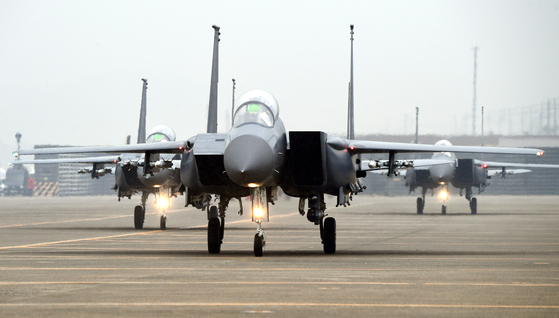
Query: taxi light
[[258, 213], [253, 185], [163, 203], [443, 195]]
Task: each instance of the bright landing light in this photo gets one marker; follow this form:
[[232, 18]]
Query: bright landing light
[[258, 213], [163, 203], [443, 195]]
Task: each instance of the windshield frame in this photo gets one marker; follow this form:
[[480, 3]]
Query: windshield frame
[[263, 116]]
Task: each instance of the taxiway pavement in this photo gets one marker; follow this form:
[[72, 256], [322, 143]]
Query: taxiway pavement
[[81, 256]]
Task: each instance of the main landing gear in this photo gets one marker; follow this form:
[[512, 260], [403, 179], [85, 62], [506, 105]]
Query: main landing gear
[[421, 201], [471, 199], [140, 212], [139, 216], [216, 225], [327, 225], [328, 235], [473, 205], [216, 229]]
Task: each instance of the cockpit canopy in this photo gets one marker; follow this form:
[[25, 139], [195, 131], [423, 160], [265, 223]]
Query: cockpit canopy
[[161, 133], [443, 143], [256, 106]]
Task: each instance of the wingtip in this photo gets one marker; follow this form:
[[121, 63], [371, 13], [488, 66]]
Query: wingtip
[[540, 153]]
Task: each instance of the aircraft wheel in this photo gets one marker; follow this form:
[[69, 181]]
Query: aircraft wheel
[[139, 214], [473, 205], [214, 242], [212, 212], [258, 245], [444, 209], [163, 222], [420, 205], [329, 236], [221, 229]]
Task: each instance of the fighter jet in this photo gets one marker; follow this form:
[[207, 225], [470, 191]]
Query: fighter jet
[[258, 156], [444, 169], [133, 173]]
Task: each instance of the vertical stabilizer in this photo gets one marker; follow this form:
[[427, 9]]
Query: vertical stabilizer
[[350, 120], [143, 111], [212, 109]]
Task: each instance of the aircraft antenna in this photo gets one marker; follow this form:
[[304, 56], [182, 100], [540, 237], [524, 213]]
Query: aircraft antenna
[[143, 113], [350, 119], [212, 109], [474, 102], [482, 126]]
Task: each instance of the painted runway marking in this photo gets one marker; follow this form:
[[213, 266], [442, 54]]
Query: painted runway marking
[[244, 269], [347, 305], [275, 283], [78, 240]]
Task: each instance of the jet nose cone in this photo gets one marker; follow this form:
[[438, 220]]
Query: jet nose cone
[[248, 160], [441, 173]]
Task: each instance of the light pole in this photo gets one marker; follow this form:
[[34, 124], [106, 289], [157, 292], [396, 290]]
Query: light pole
[[233, 104]]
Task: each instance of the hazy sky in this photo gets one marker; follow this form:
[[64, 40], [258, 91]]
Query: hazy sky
[[70, 70]]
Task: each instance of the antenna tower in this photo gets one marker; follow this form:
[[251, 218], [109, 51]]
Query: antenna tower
[[474, 103]]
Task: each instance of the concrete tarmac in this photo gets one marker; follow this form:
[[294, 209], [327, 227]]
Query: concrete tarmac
[[81, 256]]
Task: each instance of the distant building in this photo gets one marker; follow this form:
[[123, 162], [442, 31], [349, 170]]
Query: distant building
[[63, 179]]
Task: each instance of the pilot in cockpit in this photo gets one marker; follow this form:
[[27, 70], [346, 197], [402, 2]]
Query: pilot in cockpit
[[256, 107]]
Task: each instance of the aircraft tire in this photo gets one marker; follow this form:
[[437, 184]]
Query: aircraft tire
[[329, 236], [163, 222], [139, 214], [473, 205], [258, 245], [212, 212], [420, 205], [444, 209], [214, 242]]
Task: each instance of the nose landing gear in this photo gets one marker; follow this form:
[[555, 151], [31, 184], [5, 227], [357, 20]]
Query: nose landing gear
[[259, 240], [259, 214]]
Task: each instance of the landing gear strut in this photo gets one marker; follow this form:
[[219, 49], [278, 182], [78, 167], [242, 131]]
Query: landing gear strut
[[259, 198], [443, 195]]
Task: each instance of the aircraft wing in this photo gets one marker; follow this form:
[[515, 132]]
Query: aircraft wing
[[103, 159], [491, 164], [366, 146], [156, 147]]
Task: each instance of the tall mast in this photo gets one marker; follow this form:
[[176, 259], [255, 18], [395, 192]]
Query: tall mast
[[474, 102], [143, 113], [350, 119], [212, 109]]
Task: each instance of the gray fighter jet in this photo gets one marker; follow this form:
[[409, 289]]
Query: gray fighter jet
[[258, 155], [133, 173], [444, 169]]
